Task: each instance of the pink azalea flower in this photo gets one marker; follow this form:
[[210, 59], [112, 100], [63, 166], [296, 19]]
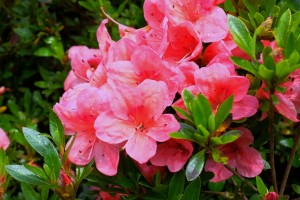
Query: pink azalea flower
[[78, 110], [136, 118], [246, 160], [271, 196], [217, 84], [208, 20], [72, 80], [173, 153], [289, 103], [4, 140], [139, 69]]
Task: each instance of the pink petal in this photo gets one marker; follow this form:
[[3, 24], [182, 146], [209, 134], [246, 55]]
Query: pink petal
[[103, 37], [249, 162], [122, 72], [213, 25], [161, 128], [72, 80], [286, 107], [220, 172], [4, 140], [245, 139], [141, 147], [153, 12], [113, 130], [82, 151], [106, 158], [246, 107]]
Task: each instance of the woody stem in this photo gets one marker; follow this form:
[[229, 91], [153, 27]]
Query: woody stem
[[272, 145], [241, 178], [289, 164]]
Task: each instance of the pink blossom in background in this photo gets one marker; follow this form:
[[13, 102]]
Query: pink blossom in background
[[246, 160], [148, 171], [136, 118], [4, 140], [208, 20], [2, 90], [173, 154], [271, 196], [289, 103]]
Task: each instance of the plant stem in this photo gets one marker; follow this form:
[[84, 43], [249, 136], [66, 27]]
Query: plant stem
[[272, 145], [289, 164], [242, 178]]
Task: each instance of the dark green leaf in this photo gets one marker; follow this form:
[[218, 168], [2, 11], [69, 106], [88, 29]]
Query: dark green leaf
[[53, 161], [22, 174], [223, 111], [296, 188], [36, 170], [56, 129], [29, 193], [262, 189], [229, 6], [192, 191], [216, 187], [176, 186], [195, 165]]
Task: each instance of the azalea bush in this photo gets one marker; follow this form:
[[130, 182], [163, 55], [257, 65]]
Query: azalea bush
[[200, 101]]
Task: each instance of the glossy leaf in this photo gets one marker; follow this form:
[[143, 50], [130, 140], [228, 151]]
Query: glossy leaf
[[240, 34], [176, 186], [188, 98], [192, 191], [262, 189], [195, 165], [218, 156], [22, 174], [36, 140]]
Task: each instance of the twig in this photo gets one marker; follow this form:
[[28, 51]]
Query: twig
[[272, 145], [242, 178], [289, 164]]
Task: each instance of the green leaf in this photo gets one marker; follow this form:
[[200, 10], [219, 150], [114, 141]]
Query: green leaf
[[262, 189], [56, 129], [22, 174], [53, 161], [245, 64], [183, 113], [296, 188], [192, 191], [176, 186], [186, 132], [206, 107], [240, 34], [37, 171], [43, 52], [29, 193], [39, 142], [229, 7], [188, 98], [211, 123], [216, 187], [198, 114], [223, 111], [218, 156], [265, 73], [282, 28], [195, 165], [282, 70], [287, 142], [226, 138]]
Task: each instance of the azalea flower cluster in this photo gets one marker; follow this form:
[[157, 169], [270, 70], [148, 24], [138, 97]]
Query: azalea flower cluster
[[116, 96]]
